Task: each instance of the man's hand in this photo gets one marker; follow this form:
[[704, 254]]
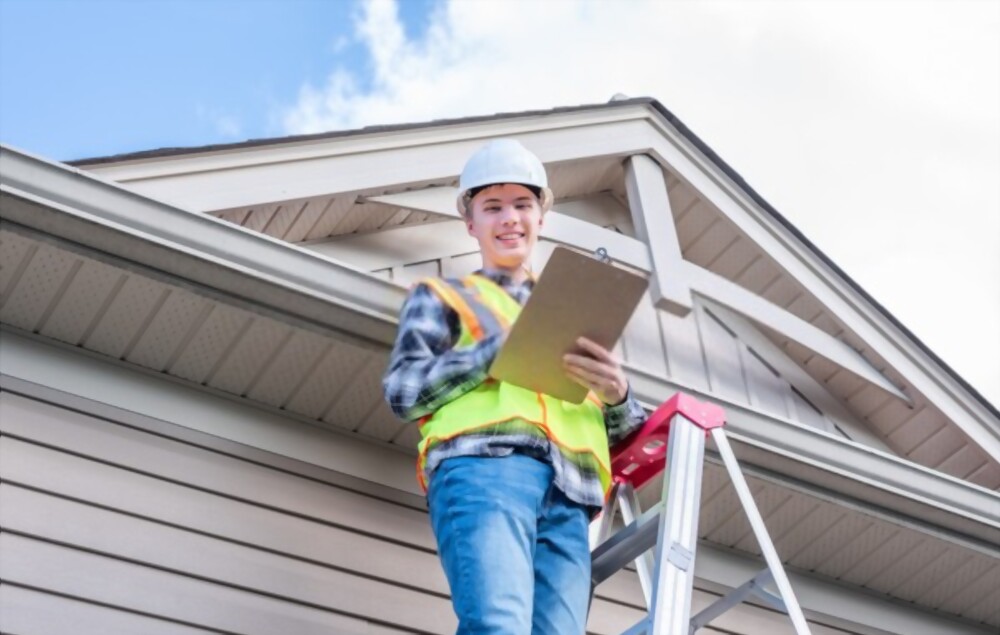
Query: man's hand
[[598, 370]]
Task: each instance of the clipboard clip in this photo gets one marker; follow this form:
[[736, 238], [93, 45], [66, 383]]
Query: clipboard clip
[[602, 254]]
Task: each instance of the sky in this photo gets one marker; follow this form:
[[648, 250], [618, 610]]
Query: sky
[[873, 126]]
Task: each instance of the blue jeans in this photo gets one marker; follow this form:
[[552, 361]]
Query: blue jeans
[[513, 547]]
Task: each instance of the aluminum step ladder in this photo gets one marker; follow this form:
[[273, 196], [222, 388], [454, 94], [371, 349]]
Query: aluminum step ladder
[[676, 432]]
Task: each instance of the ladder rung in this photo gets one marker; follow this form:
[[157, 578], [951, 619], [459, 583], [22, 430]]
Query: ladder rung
[[753, 586], [625, 545], [639, 628]]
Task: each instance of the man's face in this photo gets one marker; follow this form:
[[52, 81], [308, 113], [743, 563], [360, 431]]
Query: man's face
[[505, 219]]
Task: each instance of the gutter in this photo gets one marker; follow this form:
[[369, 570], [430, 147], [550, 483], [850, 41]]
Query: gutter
[[211, 256]]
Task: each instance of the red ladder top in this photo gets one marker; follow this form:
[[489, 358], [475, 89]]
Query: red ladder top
[[641, 456]]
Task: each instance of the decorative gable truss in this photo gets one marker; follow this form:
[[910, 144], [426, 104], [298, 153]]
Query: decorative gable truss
[[741, 308]]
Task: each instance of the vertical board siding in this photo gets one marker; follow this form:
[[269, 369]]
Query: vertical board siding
[[684, 355], [722, 354], [642, 342]]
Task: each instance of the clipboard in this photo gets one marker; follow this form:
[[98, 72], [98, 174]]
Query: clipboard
[[576, 295]]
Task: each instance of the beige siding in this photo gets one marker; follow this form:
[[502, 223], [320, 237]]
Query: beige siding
[[123, 530]]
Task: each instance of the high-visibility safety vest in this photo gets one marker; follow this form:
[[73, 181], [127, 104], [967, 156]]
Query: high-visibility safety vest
[[502, 408]]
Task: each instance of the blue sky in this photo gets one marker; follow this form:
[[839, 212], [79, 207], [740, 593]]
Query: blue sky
[[98, 77], [873, 126]]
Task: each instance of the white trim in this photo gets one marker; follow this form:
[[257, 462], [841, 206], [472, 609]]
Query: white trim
[[756, 308], [127, 225], [433, 156], [139, 169], [680, 156], [196, 249], [646, 187]]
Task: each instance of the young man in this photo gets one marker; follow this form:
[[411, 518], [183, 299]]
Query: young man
[[513, 477]]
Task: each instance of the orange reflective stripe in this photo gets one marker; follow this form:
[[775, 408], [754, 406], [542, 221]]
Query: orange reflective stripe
[[545, 410], [456, 302], [472, 286], [591, 396], [434, 440]]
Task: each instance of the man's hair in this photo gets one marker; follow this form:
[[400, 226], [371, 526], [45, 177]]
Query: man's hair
[[471, 194]]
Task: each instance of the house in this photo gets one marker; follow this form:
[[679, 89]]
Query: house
[[193, 434]]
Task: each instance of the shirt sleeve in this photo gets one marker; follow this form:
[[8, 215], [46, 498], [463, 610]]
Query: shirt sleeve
[[624, 418], [425, 369]]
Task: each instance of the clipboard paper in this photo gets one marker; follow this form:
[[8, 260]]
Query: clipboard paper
[[576, 295]]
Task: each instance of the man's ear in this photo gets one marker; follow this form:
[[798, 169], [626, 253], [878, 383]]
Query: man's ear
[[468, 225]]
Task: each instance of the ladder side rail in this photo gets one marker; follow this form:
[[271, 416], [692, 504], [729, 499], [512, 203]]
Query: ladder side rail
[[673, 581], [628, 503], [607, 516], [760, 532]]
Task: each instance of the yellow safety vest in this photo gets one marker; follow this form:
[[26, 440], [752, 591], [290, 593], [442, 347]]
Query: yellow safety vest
[[501, 408]]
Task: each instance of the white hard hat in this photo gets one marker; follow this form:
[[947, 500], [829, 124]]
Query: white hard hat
[[503, 161]]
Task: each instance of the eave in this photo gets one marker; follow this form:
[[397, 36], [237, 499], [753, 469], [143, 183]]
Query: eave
[[85, 214], [628, 127]]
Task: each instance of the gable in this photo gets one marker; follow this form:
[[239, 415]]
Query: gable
[[684, 217]]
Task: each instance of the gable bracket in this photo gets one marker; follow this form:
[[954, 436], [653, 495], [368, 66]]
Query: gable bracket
[[646, 188]]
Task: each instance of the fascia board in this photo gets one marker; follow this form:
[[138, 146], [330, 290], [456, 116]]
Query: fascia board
[[347, 172], [679, 154], [373, 142], [805, 457], [202, 251]]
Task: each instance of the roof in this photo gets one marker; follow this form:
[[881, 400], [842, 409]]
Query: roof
[[658, 107]]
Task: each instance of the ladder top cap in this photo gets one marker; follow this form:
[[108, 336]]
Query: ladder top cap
[[704, 415]]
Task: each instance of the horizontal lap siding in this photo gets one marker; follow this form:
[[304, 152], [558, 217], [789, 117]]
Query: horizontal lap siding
[[24, 611], [118, 530], [128, 527]]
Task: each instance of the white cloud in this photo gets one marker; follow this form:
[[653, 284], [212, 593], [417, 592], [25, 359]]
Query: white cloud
[[873, 126]]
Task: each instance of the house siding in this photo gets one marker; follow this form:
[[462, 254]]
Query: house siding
[[155, 528]]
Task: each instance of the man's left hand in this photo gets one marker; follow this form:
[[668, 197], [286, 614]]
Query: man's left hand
[[598, 370]]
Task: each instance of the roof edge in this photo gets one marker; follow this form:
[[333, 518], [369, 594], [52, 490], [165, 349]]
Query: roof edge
[[662, 112]]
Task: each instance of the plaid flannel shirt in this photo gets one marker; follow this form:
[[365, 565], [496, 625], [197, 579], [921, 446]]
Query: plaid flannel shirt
[[426, 371]]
